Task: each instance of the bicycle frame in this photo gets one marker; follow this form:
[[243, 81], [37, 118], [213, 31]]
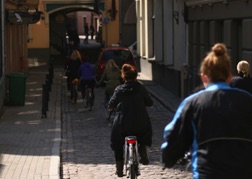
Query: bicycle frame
[[108, 114], [89, 102], [75, 84], [131, 156]]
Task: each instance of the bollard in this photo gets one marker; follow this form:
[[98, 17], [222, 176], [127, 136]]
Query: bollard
[[47, 97], [44, 101], [48, 82], [51, 71], [51, 67]]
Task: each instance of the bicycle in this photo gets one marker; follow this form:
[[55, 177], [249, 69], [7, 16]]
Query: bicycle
[[109, 114], [75, 84], [131, 161], [186, 160], [89, 98]]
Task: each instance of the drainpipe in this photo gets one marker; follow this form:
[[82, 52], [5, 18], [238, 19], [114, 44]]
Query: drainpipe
[[137, 27], [120, 24]]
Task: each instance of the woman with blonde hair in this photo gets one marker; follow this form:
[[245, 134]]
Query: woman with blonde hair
[[242, 80], [214, 124], [112, 76], [73, 66]]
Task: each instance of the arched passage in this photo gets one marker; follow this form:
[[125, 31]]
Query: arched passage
[[66, 24]]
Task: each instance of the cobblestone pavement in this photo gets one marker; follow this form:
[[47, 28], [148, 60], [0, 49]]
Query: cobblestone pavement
[[85, 150]]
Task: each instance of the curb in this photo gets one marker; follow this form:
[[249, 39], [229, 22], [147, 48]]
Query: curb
[[54, 170]]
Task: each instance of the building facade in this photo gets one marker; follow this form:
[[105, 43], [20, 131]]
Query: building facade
[[15, 17], [229, 22], [174, 36], [29, 43], [161, 38], [58, 14]]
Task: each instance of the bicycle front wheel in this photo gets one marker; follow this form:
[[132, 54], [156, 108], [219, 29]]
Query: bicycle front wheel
[[107, 113], [133, 172], [75, 94]]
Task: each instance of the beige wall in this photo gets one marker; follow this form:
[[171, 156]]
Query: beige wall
[[110, 30], [80, 16], [41, 30]]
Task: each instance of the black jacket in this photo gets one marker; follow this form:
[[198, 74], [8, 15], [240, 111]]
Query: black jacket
[[130, 100], [244, 83], [216, 125], [73, 66]]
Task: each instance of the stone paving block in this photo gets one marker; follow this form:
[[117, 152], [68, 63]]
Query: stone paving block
[[86, 139], [84, 148]]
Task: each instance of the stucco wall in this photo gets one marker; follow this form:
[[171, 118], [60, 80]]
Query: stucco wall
[[39, 32]]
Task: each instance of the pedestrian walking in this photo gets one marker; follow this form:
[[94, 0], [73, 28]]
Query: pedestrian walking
[[214, 124], [92, 30], [73, 36], [242, 80], [130, 100], [86, 31]]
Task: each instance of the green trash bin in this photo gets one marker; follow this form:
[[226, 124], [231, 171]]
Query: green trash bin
[[17, 88]]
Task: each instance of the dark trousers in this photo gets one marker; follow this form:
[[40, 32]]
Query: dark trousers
[[89, 84], [119, 155]]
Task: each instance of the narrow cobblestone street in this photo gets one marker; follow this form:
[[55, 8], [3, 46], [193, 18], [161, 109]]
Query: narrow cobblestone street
[[85, 150]]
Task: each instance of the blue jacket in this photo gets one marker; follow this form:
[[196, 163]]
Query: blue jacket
[[216, 125], [86, 71]]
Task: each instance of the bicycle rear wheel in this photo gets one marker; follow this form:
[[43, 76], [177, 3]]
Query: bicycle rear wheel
[[75, 93], [107, 114], [89, 102], [132, 173]]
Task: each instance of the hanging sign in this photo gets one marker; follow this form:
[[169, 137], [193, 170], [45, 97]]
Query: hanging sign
[[106, 20], [23, 17]]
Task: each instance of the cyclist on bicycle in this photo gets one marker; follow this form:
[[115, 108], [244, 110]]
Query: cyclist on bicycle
[[131, 119], [73, 66], [112, 76], [86, 74], [215, 123]]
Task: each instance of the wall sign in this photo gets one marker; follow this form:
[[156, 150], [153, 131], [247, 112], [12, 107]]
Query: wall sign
[[23, 17]]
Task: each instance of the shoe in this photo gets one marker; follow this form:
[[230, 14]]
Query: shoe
[[143, 154], [144, 161], [119, 173], [119, 168], [137, 170]]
